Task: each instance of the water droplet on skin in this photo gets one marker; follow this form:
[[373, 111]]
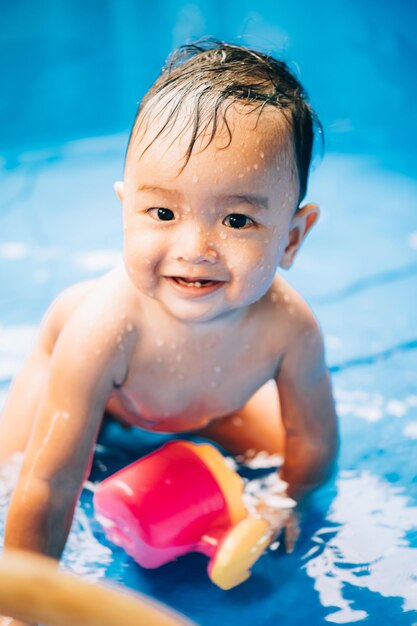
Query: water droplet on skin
[[147, 262], [274, 296], [119, 338], [213, 384], [241, 176], [247, 346], [278, 168], [286, 297], [262, 155], [159, 342], [180, 376], [129, 327], [173, 345], [217, 369], [171, 369], [123, 316], [198, 229], [261, 267], [248, 168], [223, 235], [179, 357], [158, 359], [98, 352], [237, 421], [195, 179], [255, 167]]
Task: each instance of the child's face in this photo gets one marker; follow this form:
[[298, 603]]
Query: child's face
[[227, 218]]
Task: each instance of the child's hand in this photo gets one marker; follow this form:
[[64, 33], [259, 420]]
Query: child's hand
[[267, 498]]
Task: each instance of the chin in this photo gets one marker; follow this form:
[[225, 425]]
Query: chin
[[195, 313]]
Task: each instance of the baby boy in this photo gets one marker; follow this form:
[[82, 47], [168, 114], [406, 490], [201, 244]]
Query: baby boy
[[189, 332]]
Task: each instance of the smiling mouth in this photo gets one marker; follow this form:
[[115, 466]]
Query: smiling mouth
[[191, 282], [194, 286]]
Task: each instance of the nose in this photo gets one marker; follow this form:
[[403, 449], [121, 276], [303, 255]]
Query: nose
[[194, 245]]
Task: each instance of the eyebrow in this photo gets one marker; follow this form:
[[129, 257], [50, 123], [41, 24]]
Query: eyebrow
[[253, 199]]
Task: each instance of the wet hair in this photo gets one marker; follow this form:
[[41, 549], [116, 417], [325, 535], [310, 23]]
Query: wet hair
[[212, 75]]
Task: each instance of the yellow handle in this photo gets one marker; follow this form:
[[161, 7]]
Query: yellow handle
[[33, 589], [241, 548]]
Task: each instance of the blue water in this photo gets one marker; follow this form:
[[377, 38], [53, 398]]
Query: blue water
[[73, 74]]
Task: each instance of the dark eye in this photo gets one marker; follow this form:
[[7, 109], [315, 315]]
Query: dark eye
[[164, 215], [237, 220]]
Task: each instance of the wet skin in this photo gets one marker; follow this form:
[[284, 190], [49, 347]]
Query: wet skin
[[163, 349]]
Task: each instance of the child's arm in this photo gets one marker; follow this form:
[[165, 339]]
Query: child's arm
[[58, 455], [308, 412]]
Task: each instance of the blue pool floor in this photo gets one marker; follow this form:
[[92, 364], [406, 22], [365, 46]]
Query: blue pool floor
[[356, 560]]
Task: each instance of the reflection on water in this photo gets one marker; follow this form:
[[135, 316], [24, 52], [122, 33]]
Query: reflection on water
[[365, 546], [83, 555]]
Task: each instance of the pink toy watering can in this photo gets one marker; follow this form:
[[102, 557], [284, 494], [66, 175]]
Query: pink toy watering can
[[183, 498]]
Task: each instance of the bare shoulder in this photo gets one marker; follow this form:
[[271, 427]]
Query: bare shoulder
[[292, 324], [92, 324], [286, 306], [87, 307]]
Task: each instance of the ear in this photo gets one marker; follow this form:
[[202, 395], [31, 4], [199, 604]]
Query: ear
[[118, 188], [302, 221]]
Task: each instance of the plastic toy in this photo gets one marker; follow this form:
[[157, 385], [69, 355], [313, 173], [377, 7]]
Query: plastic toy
[[182, 498]]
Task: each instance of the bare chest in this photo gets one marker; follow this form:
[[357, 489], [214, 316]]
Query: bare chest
[[183, 383]]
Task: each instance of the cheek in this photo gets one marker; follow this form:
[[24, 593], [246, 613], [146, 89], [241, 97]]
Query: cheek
[[254, 264], [142, 251]]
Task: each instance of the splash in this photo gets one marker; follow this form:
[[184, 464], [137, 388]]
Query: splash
[[366, 546], [83, 555]]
